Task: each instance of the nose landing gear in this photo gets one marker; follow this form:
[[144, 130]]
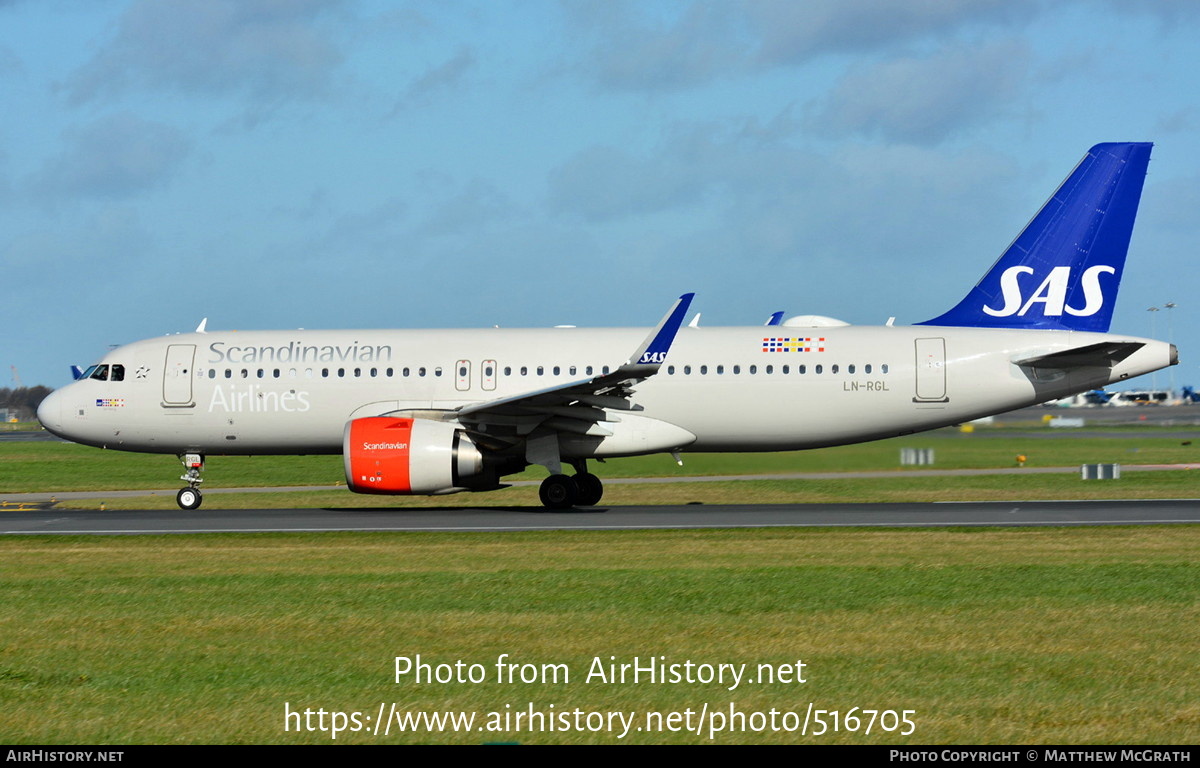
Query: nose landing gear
[[190, 497]]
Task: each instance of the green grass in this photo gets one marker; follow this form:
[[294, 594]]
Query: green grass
[[35, 466], [1013, 636], [991, 636]]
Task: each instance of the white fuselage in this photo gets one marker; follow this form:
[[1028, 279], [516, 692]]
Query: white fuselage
[[759, 388]]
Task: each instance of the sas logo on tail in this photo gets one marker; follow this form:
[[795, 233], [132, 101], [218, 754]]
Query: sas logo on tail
[[1052, 293]]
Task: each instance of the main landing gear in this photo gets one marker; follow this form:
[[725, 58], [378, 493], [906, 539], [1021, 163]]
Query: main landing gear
[[565, 491], [190, 497]]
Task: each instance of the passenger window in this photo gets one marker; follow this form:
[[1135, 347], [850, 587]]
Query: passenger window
[[801, 369], [508, 370], [785, 369], [405, 373], [850, 368], [228, 373], [572, 370], [212, 373], [341, 373], [687, 370], [833, 368], [754, 369], [884, 368], [737, 369], [817, 369], [670, 370], [867, 368], [703, 370], [261, 373], [245, 373], [720, 369], [421, 371], [437, 371], [357, 372], [770, 368], [541, 370], [557, 370], [588, 370], [275, 372], [324, 373]]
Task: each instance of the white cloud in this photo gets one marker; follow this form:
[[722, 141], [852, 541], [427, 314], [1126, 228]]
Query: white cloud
[[792, 32], [769, 197], [638, 46], [925, 99], [443, 77], [470, 211], [632, 49], [264, 50], [116, 156]]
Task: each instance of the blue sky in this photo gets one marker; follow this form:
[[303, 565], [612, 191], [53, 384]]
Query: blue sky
[[343, 164]]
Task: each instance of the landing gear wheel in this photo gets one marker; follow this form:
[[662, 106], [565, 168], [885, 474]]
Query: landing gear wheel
[[189, 498], [590, 489], [559, 492]]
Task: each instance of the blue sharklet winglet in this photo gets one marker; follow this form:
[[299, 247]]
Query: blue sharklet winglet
[[654, 349], [611, 389]]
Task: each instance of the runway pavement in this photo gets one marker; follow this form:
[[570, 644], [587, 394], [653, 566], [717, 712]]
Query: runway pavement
[[954, 514], [48, 520]]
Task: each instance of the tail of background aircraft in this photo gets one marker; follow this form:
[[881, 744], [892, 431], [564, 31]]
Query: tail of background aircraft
[[1063, 270]]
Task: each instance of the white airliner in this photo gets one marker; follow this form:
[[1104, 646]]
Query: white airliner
[[440, 411]]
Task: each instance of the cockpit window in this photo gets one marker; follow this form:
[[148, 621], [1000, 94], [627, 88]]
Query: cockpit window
[[117, 373], [100, 374], [87, 374]]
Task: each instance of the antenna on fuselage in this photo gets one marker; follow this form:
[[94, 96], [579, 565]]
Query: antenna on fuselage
[[200, 328]]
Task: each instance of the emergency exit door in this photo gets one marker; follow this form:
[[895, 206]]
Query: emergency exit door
[[177, 375], [931, 371]]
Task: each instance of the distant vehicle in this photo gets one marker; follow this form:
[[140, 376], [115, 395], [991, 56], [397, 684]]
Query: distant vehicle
[[1089, 399], [1144, 397], [442, 411]]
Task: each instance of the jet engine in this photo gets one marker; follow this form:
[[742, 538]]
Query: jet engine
[[393, 455]]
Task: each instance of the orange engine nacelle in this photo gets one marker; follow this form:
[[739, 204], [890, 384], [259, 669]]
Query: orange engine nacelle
[[390, 455]]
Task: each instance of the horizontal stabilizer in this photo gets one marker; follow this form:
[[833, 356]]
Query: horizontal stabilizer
[[1105, 354]]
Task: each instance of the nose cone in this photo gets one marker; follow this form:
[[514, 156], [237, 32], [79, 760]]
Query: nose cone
[[50, 413]]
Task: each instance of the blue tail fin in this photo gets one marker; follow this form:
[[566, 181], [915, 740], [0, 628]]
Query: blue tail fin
[[1063, 270]]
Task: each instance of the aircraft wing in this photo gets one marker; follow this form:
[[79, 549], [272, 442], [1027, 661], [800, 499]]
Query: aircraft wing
[[1104, 354], [579, 406]]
